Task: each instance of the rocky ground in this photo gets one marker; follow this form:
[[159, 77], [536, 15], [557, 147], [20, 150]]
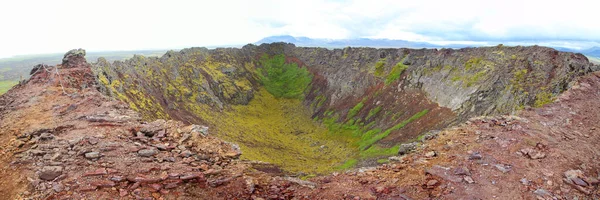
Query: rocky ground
[[62, 139]]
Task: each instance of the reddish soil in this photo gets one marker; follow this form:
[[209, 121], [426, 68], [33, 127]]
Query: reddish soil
[[82, 145]]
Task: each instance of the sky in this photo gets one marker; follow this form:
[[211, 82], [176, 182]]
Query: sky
[[52, 26]]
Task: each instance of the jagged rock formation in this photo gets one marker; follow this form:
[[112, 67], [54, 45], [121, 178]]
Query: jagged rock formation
[[72, 142], [383, 97]]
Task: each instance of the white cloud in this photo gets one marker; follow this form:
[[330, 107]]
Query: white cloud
[[42, 26]]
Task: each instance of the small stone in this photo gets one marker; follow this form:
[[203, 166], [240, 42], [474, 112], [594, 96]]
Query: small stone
[[156, 187], [103, 183], [432, 182], [92, 140], [49, 173], [46, 136], [186, 153], [579, 181], [117, 178], [503, 168], [97, 172], [36, 152], [147, 152], [430, 154], [532, 153], [469, 180], [169, 159], [58, 187], [87, 188], [123, 192], [92, 155], [475, 156], [161, 147], [524, 181], [407, 148], [462, 171], [542, 193]]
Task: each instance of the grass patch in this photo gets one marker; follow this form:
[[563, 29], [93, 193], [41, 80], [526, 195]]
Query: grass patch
[[348, 164], [280, 131], [376, 151], [379, 67], [367, 142], [373, 112], [395, 73], [383, 161], [282, 79], [6, 85], [542, 99], [352, 112]]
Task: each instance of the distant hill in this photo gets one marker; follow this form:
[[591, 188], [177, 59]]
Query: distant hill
[[359, 42]]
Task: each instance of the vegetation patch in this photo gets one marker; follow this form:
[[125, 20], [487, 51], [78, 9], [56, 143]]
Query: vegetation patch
[[283, 79], [280, 131], [368, 141], [395, 73], [352, 112], [379, 67], [543, 98], [6, 85], [373, 112], [348, 164]]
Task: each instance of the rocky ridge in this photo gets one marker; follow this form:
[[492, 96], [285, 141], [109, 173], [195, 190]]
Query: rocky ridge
[[385, 96]]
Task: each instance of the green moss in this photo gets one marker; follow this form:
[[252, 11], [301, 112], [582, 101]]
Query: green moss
[[282, 79], [472, 62], [352, 112], [345, 55], [543, 98], [373, 112], [395, 73], [368, 141], [518, 79], [348, 164], [379, 67], [383, 161], [376, 151]]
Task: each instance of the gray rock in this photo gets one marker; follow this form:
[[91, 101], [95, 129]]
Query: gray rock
[[49, 173], [430, 135], [36, 152], [503, 168], [170, 159], [475, 156], [407, 148], [462, 171], [469, 180], [46, 136], [147, 152], [92, 155], [542, 193], [58, 187], [430, 154], [161, 147]]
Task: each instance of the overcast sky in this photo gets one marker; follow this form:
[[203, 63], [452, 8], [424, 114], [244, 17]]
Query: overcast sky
[[47, 26]]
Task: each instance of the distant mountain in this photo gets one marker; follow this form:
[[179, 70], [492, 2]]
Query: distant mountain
[[360, 42], [594, 51], [386, 43]]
